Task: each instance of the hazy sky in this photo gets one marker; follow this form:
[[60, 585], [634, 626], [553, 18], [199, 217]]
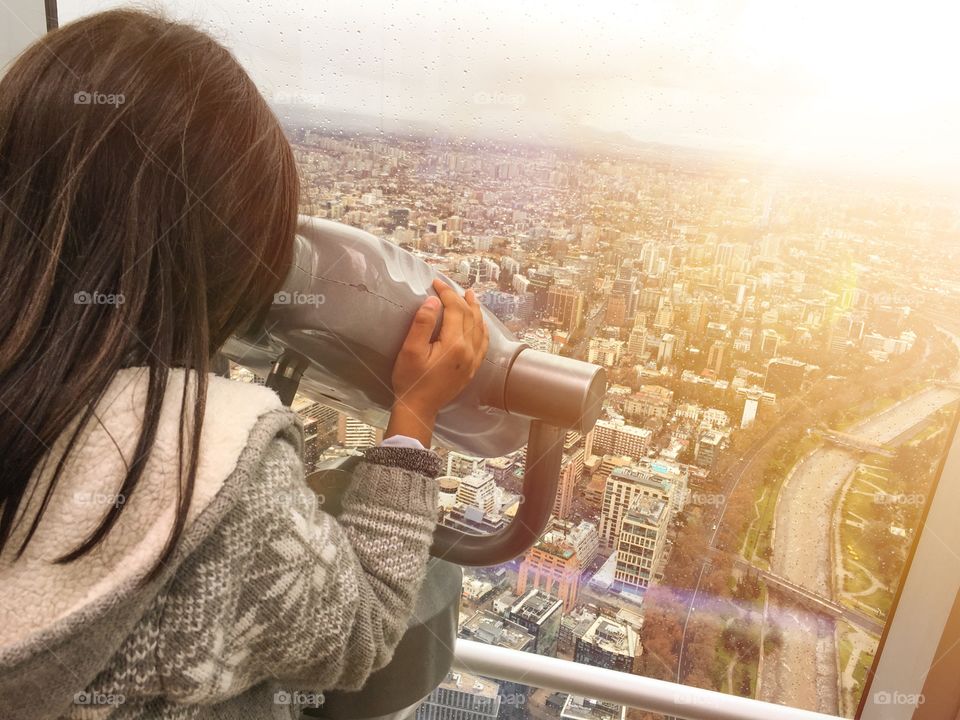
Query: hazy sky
[[856, 85]]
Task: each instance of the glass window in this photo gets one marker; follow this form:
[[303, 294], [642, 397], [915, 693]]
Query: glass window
[[748, 213]]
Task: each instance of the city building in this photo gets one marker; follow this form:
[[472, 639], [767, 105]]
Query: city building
[[353, 433], [769, 343], [604, 351], [478, 490], [707, 449], [616, 437], [610, 644], [655, 478], [564, 306], [462, 696], [784, 376], [717, 357], [447, 492], [491, 629], [574, 625], [540, 614], [577, 707], [640, 544], [553, 567], [668, 346], [571, 472], [650, 401], [320, 426], [750, 406], [460, 465], [487, 627]]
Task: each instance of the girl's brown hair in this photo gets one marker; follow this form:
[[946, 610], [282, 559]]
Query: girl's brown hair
[[148, 204]]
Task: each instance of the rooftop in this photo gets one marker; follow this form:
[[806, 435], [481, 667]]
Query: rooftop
[[577, 707], [489, 628], [473, 684], [613, 637], [535, 605]]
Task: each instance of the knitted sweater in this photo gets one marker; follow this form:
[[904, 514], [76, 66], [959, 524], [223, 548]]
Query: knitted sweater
[[267, 600]]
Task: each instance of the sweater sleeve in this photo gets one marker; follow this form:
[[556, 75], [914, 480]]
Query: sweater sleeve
[[283, 591]]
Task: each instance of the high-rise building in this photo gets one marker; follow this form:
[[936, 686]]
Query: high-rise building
[[724, 254], [462, 696], [604, 351], [643, 532], [320, 424], [479, 491], [461, 465], [666, 350], [610, 644], [551, 566], [583, 538], [655, 478], [663, 320], [717, 357], [708, 448], [491, 629], [564, 305], [540, 614], [353, 433], [615, 437], [637, 341], [750, 406], [769, 343], [504, 470], [571, 472], [784, 376], [744, 340]]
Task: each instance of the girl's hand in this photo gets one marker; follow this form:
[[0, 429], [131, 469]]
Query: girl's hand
[[428, 375]]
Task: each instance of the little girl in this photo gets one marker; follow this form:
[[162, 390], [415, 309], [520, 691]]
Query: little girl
[[160, 553]]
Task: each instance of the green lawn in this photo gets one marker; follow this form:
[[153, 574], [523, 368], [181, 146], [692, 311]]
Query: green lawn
[[856, 582], [863, 660], [860, 504], [760, 533]]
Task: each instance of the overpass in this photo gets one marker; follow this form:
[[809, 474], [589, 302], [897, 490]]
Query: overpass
[[853, 442], [809, 598]]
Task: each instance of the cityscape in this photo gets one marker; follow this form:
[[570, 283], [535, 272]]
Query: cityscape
[[783, 374]]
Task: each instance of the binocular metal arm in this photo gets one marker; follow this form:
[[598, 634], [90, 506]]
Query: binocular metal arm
[[544, 454], [539, 385]]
